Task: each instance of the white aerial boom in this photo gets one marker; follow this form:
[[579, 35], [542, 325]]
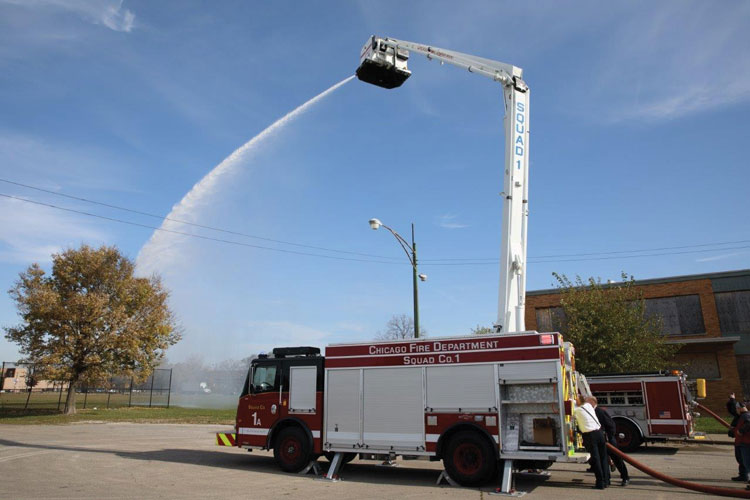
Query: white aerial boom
[[383, 63]]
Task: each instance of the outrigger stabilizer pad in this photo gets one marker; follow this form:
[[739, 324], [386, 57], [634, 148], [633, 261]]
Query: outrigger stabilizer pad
[[445, 477]]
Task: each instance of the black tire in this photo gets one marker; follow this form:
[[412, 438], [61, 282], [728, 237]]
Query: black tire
[[469, 459], [628, 436], [292, 449], [348, 457]]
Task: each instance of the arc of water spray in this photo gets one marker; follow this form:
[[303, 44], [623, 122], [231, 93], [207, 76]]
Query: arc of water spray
[[160, 247]]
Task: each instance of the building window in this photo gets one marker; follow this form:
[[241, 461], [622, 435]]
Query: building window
[[619, 398], [699, 365], [743, 367], [734, 311], [550, 319], [680, 315]]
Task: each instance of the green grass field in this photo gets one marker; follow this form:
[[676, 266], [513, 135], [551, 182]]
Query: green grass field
[[174, 414], [50, 400], [709, 425]]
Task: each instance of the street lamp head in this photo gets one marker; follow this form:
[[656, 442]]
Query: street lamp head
[[375, 223], [423, 277]]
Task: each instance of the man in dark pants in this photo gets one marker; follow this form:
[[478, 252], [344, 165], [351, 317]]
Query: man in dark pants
[[610, 433], [593, 438], [732, 408]]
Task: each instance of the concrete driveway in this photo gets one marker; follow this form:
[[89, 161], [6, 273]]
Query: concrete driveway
[[114, 461]]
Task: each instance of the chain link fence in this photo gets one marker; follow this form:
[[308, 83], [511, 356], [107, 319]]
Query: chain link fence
[[20, 388]]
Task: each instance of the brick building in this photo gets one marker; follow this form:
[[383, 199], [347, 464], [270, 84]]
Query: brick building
[[14, 377], [709, 314]]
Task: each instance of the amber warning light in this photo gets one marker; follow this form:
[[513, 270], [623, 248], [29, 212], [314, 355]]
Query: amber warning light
[[547, 339]]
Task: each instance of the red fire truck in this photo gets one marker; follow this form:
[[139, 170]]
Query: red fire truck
[[646, 406], [474, 402], [469, 401]]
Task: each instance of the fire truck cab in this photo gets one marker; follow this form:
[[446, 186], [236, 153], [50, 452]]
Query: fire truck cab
[[470, 401], [280, 404]]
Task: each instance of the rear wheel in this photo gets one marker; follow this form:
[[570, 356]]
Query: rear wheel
[[469, 459], [292, 450], [628, 436]]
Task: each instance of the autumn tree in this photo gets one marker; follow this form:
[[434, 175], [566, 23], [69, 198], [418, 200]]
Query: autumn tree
[[609, 327], [31, 382], [91, 318], [400, 327]]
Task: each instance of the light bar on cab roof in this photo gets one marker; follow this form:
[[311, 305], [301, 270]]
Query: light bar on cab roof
[[547, 339]]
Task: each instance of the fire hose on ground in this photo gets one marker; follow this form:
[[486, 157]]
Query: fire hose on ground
[[713, 490]]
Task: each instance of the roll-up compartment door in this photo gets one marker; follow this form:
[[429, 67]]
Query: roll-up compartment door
[[343, 405], [302, 384], [394, 408], [447, 387]]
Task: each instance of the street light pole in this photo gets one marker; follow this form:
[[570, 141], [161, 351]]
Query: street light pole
[[416, 293], [411, 254]]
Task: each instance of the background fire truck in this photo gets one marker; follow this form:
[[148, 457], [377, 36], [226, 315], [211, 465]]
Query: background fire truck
[[469, 401], [648, 406]]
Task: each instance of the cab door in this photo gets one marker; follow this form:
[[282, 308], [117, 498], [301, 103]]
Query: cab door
[[260, 408]]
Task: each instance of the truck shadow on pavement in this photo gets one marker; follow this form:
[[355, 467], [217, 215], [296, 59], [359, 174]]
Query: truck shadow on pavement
[[357, 471]]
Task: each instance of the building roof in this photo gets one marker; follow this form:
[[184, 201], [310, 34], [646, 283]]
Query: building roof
[[726, 281], [705, 340]]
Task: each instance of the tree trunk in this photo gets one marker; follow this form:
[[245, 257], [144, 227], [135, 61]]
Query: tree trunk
[[70, 400]]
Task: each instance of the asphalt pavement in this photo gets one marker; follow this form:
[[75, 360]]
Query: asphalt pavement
[[164, 461]]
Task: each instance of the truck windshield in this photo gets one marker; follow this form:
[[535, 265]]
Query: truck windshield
[[264, 378]]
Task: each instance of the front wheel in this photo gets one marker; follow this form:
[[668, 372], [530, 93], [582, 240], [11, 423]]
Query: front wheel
[[628, 436], [292, 450], [469, 459]]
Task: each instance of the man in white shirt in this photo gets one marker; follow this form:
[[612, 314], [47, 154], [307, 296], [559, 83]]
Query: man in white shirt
[[593, 438]]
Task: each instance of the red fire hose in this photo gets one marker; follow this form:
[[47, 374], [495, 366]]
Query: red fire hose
[[713, 490], [724, 422]]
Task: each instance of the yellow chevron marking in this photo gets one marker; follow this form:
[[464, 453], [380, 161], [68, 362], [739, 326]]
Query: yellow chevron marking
[[222, 440]]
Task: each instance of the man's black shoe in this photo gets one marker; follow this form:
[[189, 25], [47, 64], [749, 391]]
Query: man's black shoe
[[625, 482], [598, 487], [739, 478]]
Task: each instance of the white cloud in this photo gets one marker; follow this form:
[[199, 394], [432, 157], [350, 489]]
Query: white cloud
[[674, 61], [719, 257], [28, 158], [32, 233], [348, 326], [108, 13], [269, 334], [449, 221]]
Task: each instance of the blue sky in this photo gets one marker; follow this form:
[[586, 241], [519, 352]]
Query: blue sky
[[639, 140]]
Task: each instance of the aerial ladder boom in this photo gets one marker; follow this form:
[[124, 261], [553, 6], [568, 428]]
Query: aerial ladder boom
[[383, 63]]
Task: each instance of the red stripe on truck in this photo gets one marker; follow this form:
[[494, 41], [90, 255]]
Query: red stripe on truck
[[436, 346]]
